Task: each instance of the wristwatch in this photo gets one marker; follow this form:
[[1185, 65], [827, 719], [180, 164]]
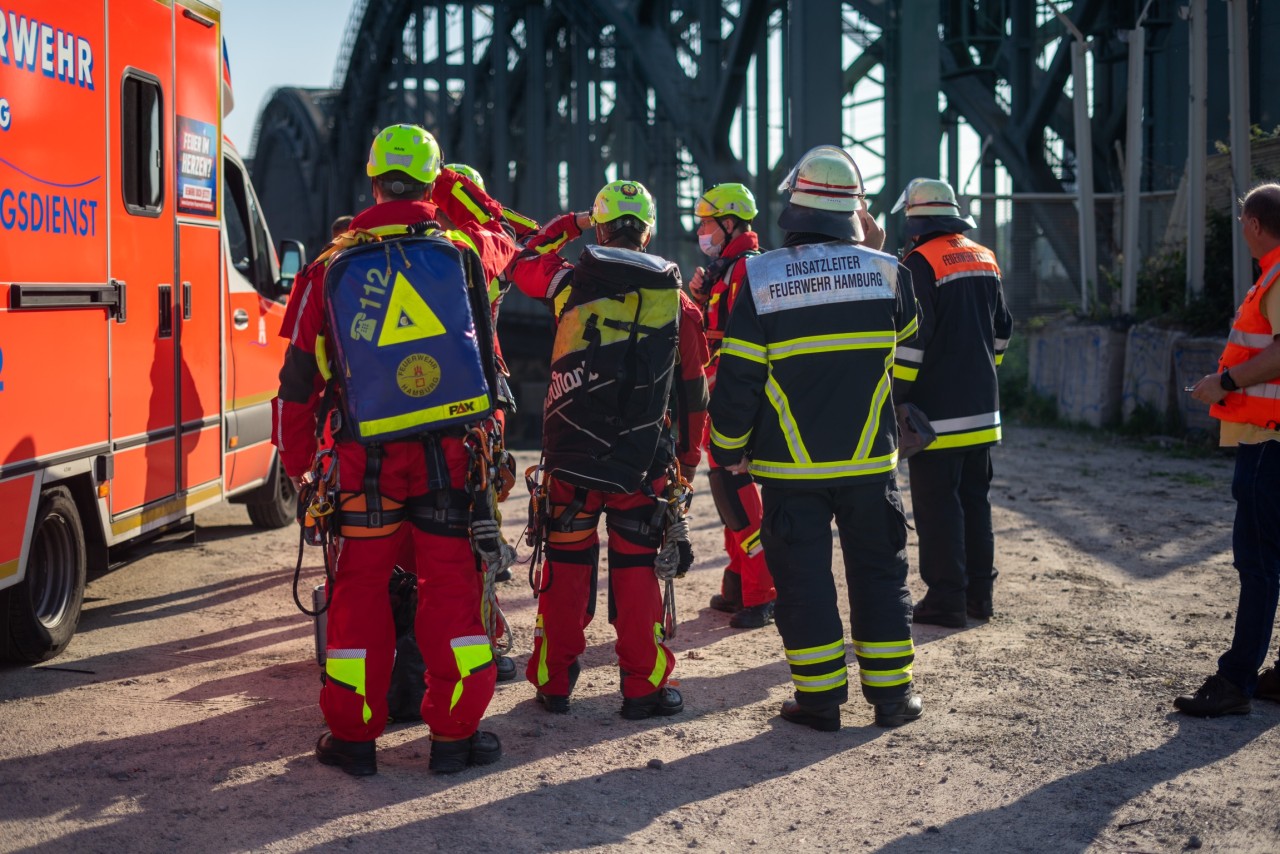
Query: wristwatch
[[1225, 380]]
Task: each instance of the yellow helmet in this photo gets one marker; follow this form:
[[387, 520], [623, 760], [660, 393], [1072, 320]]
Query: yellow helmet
[[469, 171], [726, 200], [619, 199], [405, 148]]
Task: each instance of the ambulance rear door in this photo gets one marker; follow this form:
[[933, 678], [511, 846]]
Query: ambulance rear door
[[198, 321], [141, 206]]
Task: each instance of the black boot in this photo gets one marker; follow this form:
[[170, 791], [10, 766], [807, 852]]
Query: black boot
[[729, 599], [1218, 696], [506, 668], [664, 701], [823, 720], [753, 617], [450, 757], [900, 712], [357, 758]]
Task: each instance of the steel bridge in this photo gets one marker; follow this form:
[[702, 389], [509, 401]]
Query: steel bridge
[[549, 99]]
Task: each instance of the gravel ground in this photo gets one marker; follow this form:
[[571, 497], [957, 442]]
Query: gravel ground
[[184, 713]]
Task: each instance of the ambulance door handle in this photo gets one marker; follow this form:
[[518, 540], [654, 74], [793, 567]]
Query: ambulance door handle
[[240, 319], [186, 300], [166, 311]]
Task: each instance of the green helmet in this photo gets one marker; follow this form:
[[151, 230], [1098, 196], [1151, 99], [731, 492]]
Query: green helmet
[[470, 172], [405, 148], [619, 199], [726, 200]]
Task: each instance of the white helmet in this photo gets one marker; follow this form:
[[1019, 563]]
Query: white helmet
[[826, 194], [930, 197]]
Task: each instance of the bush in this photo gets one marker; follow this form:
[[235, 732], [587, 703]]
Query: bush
[[1162, 285]]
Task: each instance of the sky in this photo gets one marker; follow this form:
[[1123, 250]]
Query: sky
[[274, 43]]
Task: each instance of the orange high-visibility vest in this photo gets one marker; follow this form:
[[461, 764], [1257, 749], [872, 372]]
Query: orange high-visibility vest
[[1258, 404], [955, 255]]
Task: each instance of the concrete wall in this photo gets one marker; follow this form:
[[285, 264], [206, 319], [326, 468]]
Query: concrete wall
[[1192, 359], [1099, 375], [1148, 370], [1092, 374]]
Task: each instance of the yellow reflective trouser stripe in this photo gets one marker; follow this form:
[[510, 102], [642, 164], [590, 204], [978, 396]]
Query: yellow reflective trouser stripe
[[460, 193], [751, 545], [660, 662], [347, 667], [727, 442], [744, 350], [471, 653], [540, 631], [815, 654], [830, 344], [419, 417], [886, 678], [869, 430], [902, 372], [823, 682], [909, 330], [885, 649], [799, 453], [999, 359], [961, 440]]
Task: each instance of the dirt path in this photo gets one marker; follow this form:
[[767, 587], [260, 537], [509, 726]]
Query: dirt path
[[183, 714]]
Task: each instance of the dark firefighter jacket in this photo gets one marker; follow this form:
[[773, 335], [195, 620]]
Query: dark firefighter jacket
[[949, 371], [804, 383]]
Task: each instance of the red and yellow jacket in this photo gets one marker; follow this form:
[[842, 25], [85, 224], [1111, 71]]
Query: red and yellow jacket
[[295, 408], [1251, 333], [723, 281]]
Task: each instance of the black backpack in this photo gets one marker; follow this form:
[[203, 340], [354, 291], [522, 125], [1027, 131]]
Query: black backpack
[[605, 416]]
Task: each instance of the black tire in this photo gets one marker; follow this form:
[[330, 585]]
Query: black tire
[[276, 504], [42, 612]]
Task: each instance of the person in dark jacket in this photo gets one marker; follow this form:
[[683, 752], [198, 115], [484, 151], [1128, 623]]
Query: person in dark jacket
[[803, 401], [949, 373]]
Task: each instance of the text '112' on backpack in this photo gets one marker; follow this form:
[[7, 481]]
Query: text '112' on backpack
[[410, 339], [611, 370]]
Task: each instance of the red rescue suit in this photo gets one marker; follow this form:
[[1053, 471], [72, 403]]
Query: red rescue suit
[[361, 633], [567, 606], [737, 497]]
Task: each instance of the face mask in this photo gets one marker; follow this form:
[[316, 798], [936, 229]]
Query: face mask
[[711, 250]]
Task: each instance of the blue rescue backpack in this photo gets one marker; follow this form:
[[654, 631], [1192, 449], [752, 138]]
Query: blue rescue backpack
[[410, 340]]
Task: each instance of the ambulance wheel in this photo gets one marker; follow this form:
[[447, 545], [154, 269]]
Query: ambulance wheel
[[278, 504], [41, 613]]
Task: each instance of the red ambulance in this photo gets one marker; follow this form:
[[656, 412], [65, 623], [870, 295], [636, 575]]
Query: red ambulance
[[140, 296]]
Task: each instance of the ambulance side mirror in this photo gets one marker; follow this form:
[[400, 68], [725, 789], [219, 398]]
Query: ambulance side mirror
[[293, 257]]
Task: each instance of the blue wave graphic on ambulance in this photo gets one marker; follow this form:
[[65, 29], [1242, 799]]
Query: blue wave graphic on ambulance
[[48, 212]]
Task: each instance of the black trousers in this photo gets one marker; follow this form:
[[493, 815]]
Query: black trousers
[[796, 535], [949, 496]]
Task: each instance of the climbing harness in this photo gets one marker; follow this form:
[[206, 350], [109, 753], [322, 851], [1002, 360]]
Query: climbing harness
[[490, 475], [676, 555], [316, 507]]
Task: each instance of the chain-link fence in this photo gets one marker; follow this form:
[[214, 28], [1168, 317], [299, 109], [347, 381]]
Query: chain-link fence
[[1036, 240]]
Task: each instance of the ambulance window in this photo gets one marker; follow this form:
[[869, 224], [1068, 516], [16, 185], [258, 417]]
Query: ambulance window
[[243, 228], [142, 146]]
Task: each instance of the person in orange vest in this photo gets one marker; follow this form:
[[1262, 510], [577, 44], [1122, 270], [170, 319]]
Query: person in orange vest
[[724, 213], [1245, 398], [949, 373]]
